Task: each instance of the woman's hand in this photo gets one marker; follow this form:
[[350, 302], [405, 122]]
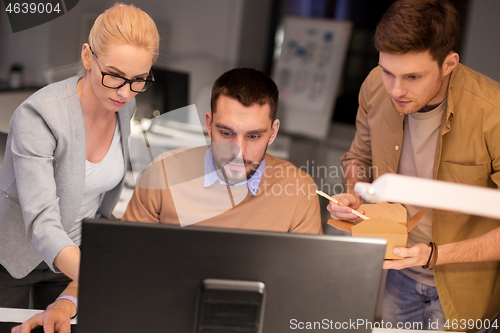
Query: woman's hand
[[55, 319]]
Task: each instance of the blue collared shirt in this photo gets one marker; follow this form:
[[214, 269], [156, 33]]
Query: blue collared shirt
[[211, 175]]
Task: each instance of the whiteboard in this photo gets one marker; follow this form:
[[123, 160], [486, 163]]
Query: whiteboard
[[308, 73]]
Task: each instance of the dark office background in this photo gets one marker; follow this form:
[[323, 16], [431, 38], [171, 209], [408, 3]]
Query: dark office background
[[361, 55]]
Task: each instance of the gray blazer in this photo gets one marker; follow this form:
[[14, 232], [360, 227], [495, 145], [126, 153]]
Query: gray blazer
[[42, 178]]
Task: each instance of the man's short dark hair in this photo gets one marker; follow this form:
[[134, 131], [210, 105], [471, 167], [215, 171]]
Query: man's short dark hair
[[248, 86], [418, 26]]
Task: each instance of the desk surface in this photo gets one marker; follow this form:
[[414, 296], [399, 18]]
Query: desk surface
[[10, 318], [20, 315]]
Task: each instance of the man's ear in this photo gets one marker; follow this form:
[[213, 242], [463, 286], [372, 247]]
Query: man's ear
[[274, 130], [208, 122], [86, 56], [450, 62]]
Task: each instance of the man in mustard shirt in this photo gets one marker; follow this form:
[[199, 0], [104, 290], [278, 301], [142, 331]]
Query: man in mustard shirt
[[423, 114]]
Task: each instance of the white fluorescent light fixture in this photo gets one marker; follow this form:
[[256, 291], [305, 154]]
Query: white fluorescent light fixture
[[467, 199]]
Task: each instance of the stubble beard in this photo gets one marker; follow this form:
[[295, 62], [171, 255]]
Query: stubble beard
[[415, 106], [233, 177]]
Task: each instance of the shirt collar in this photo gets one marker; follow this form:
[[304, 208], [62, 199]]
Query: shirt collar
[[211, 176]]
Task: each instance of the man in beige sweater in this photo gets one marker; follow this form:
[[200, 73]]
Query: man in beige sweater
[[233, 183]]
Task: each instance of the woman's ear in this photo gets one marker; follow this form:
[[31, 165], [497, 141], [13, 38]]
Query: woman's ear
[[86, 56]]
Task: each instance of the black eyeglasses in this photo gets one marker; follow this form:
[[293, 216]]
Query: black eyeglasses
[[115, 81]]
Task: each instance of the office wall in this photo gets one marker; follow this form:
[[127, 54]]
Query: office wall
[[26, 47], [191, 30], [2, 19], [54, 43], [481, 49], [200, 37], [201, 27]]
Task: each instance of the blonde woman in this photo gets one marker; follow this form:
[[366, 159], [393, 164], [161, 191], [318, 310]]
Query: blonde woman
[[66, 158]]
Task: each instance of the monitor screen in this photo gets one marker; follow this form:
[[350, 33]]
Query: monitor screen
[[169, 92], [139, 277]]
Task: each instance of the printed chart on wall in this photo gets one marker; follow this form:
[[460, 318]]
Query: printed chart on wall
[[308, 73]]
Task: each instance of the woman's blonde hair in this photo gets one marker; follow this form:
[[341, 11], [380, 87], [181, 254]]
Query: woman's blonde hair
[[124, 25]]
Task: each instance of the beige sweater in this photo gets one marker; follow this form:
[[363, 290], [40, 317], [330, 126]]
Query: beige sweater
[[171, 191]]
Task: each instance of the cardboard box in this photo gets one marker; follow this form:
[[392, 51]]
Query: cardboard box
[[386, 221]]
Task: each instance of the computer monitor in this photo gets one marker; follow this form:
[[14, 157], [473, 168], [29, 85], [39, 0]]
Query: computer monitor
[[139, 277], [170, 92]]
